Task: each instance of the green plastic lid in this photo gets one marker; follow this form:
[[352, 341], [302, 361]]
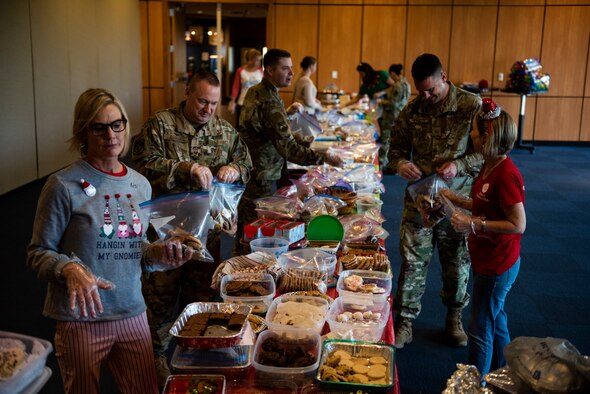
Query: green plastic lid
[[325, 228]]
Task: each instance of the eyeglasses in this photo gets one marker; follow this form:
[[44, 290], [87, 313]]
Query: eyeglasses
[[101, 128]]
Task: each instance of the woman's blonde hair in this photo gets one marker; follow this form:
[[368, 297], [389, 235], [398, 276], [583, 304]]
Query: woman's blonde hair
[[89, 104], [252, 53], [502, 133]]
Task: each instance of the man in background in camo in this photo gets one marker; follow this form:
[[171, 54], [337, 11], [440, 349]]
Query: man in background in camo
[[264, 127], [431, 135], [181, 149]]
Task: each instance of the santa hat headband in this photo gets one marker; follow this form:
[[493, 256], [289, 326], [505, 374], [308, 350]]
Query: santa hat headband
[[489, 109]]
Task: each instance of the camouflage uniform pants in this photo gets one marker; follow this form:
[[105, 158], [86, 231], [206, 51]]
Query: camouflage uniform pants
[[247, 209], [417, 245], [167, 293], [385, 127]]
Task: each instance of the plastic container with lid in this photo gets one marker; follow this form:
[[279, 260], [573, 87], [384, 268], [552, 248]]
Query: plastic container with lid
[[358, 322], [364, 287], [367, 202], [214, 384], [309, 259], [274, 246], [297, 315], [33, 367], [303, 352], [256, 289]]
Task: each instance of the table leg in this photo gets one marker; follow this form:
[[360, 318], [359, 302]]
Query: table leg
[[519, 144]]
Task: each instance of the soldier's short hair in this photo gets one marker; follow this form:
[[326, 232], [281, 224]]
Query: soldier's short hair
[[425, 65], [502, 133], [272, 57], [203, 75]]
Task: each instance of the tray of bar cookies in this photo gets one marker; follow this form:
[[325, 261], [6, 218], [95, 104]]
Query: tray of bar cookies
[[210, 325]]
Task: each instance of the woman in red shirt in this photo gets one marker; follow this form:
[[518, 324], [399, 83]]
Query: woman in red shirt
[[495, 228]]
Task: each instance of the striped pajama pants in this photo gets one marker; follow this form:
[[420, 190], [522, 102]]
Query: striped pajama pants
[[82, 348]]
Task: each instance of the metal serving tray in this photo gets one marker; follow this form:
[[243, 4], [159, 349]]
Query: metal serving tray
[[231, 339]]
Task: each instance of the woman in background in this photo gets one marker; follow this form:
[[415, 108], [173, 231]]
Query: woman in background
[[88, 243], [305, 90], [495, 227], [246, 76]]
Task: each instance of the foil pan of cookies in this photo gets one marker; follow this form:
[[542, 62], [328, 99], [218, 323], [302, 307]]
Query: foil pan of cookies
[[353, 365], [210, 325]]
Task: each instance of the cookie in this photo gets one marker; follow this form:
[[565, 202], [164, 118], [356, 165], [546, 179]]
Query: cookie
[[377, 371], [358, 378], [360, 369], [377, 360]]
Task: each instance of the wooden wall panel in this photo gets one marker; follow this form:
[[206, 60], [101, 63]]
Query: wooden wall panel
[[472, 55], [18, 155], [567, 30], [511, 104], [429, 30], [297, 32], [587, 87], [566, 2], [430, 2], [305, 2], [341, 2], [155, 30], [390, 30], [334, 37], [585, 129], [522, 2], [475, 2], [518, 38], [385, 2], [143, 26], [558, 119]]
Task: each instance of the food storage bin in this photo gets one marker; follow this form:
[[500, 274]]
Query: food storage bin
[[367, 202], [275, 350], [309, 259], [378, 359], [272, 245], [358, 322], [297, 315], [364, 287], [227, 339], [37, 350], [258, 290], [213, 384]]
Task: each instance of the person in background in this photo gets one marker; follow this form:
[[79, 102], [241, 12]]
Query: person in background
[[394, 101], [246, 76], [264, 127], [305, 91], [431, 136], [374, 83], [88, 242], [495, 228], [180, 149]]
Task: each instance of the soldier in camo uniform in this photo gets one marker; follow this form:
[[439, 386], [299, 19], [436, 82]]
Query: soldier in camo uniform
[[264, 127], [394, 101], [431, 135], [181, 149]]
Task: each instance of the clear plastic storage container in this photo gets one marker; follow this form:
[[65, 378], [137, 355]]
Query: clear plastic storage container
[[303, 350], [309, 259], [255, 289], [297, 315], [272, 245], [37, 351], [358, 322], [364, 287]]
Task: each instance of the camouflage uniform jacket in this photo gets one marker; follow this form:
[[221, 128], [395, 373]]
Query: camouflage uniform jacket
[[396, 99], [430, 139], [168, 146], [264, 127]]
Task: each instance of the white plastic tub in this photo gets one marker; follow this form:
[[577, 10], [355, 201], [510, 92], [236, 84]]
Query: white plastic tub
[[274, 246], [301, 309], [258, 303], [381, 280], [37, 350], [369, 330]]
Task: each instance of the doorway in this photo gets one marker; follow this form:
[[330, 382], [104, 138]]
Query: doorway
[[196, 39]]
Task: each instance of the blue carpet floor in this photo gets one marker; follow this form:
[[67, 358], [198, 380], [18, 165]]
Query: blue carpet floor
[[551, 296]]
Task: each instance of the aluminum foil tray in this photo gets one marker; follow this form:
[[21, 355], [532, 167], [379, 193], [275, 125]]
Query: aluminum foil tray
[[231, 339], [364, 350]]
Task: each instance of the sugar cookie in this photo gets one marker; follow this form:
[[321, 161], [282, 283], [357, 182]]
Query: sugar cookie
[[377, 360], [358, 368]]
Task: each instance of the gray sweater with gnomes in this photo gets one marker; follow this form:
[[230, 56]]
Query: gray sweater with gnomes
[[105, 231]]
